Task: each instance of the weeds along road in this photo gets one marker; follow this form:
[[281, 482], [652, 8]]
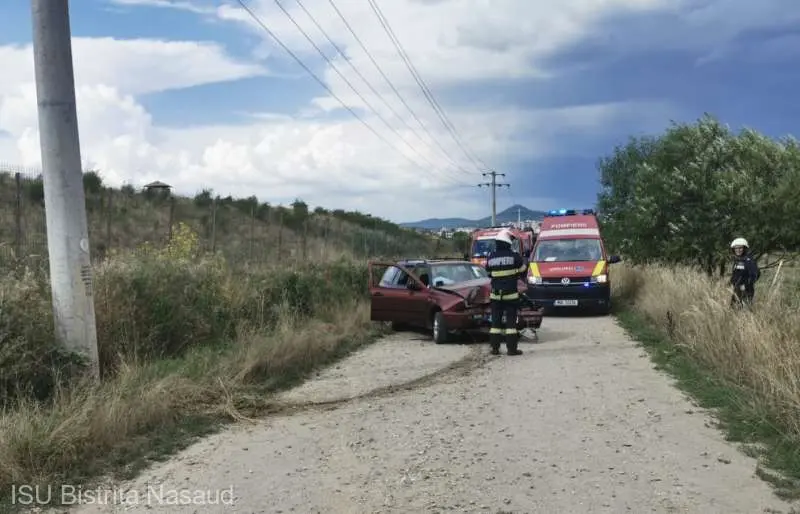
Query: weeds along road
[[580, 423]]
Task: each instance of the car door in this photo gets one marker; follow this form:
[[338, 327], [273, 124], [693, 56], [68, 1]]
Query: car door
[[390, 297], [420, 297]]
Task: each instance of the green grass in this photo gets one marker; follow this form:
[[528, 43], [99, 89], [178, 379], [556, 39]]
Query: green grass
[[737, 410]]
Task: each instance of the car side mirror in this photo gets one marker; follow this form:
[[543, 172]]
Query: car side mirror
[[614, 259]]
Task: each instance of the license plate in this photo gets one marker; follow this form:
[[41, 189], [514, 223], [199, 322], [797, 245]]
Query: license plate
[[565, 303]]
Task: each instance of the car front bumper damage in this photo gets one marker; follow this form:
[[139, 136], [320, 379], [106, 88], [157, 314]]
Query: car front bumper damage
[[479, 319]]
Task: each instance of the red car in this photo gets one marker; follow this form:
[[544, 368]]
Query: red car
[[444, 296]]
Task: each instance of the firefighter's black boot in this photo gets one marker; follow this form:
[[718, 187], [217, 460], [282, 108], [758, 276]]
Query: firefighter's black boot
[[511, 344], [494, 342]]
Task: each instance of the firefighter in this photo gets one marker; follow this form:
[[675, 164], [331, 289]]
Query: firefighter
[[505, 266], [745, 273]]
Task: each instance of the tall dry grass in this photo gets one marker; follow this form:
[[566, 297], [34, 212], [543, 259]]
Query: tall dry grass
[[758, 350], [185, 341]]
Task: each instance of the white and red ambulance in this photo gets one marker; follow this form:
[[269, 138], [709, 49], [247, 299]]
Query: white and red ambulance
[[569, 264]]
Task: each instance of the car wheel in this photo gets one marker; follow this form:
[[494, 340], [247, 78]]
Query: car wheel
[[440, 333]]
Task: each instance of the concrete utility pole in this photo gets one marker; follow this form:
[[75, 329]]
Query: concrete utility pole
[[494, 184], [64, 200]]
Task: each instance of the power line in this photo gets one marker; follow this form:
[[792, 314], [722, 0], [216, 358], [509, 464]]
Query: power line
[[322, 83], [358, 72], [393, 88], [350, 85], [423, 86]]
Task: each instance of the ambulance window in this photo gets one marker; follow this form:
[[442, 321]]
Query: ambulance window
[[482, 247], [566, 250]]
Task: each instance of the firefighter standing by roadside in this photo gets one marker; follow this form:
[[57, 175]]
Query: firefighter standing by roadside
[[505, 266], [745, 273]]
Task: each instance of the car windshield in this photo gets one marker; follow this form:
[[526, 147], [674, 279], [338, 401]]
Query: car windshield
[[456, 273], [568, 250], [483, 247]]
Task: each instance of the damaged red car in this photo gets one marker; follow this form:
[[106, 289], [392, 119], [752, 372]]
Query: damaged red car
[[447, 297]]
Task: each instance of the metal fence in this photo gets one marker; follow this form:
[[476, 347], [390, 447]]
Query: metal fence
[[244, 230]]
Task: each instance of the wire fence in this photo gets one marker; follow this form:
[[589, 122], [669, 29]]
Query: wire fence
[[244, 230]]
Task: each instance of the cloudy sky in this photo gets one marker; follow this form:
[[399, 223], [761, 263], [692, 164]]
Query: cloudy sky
[[196, 93]]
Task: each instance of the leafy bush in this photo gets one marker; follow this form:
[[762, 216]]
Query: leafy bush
[[158, 304], [681, 197]]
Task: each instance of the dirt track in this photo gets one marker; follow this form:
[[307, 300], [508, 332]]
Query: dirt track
[[580, 423]]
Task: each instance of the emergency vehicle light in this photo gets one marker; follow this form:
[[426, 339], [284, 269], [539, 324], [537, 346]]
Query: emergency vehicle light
[[570, 212]]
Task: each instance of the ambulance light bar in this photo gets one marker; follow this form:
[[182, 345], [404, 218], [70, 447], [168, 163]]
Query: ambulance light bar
[[570, 212]]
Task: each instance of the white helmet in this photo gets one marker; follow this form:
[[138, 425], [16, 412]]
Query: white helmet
[[739, 241], [504, 236]]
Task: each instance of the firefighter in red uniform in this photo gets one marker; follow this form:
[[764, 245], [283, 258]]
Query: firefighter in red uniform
[[505, 267]]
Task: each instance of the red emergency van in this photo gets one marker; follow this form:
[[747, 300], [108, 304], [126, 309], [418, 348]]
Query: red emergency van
[[569, 264], [482, 243]]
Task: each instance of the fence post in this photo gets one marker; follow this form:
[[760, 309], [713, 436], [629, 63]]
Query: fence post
[[325, 230], [214, 225], [280, 233], [252, 231], [109, 210], [18, 217], [305, 239], [171, 215]]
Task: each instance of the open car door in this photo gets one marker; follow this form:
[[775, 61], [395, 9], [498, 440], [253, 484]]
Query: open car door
[[395, 294]]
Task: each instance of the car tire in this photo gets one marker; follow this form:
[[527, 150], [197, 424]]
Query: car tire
[[440, 332]]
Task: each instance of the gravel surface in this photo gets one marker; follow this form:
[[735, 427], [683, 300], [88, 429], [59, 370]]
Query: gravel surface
[[580, 423]]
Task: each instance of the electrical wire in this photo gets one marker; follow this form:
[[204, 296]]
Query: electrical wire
[[423, 86], [352, 87], [361, 75], [322, 83], [394, 88]]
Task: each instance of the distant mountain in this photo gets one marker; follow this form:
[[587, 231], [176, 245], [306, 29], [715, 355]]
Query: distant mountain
[[511, 214]]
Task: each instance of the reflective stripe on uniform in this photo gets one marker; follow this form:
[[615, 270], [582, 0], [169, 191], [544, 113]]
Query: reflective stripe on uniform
[[599, 268], [495, 330], [506, 296], [503, 273], [511, 331]]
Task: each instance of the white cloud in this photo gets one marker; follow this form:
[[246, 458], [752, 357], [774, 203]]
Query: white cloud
[[134, 67], [333, 163], [168, 4]]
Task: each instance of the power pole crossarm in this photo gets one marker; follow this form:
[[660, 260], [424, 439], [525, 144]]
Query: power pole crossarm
[[494, 184], [64, 199]]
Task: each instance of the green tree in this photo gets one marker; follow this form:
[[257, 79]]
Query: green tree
[[681, 197]]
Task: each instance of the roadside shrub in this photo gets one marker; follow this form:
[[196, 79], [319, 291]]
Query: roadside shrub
[[159, 304], [28, 352], [150, 307]]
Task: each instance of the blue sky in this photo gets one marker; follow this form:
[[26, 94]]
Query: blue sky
[[194, 94]]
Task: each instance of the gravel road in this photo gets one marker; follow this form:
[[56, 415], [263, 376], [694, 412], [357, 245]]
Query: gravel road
[[580, 423]]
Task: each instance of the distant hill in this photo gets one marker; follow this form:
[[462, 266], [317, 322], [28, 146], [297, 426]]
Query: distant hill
[[510, 214]]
